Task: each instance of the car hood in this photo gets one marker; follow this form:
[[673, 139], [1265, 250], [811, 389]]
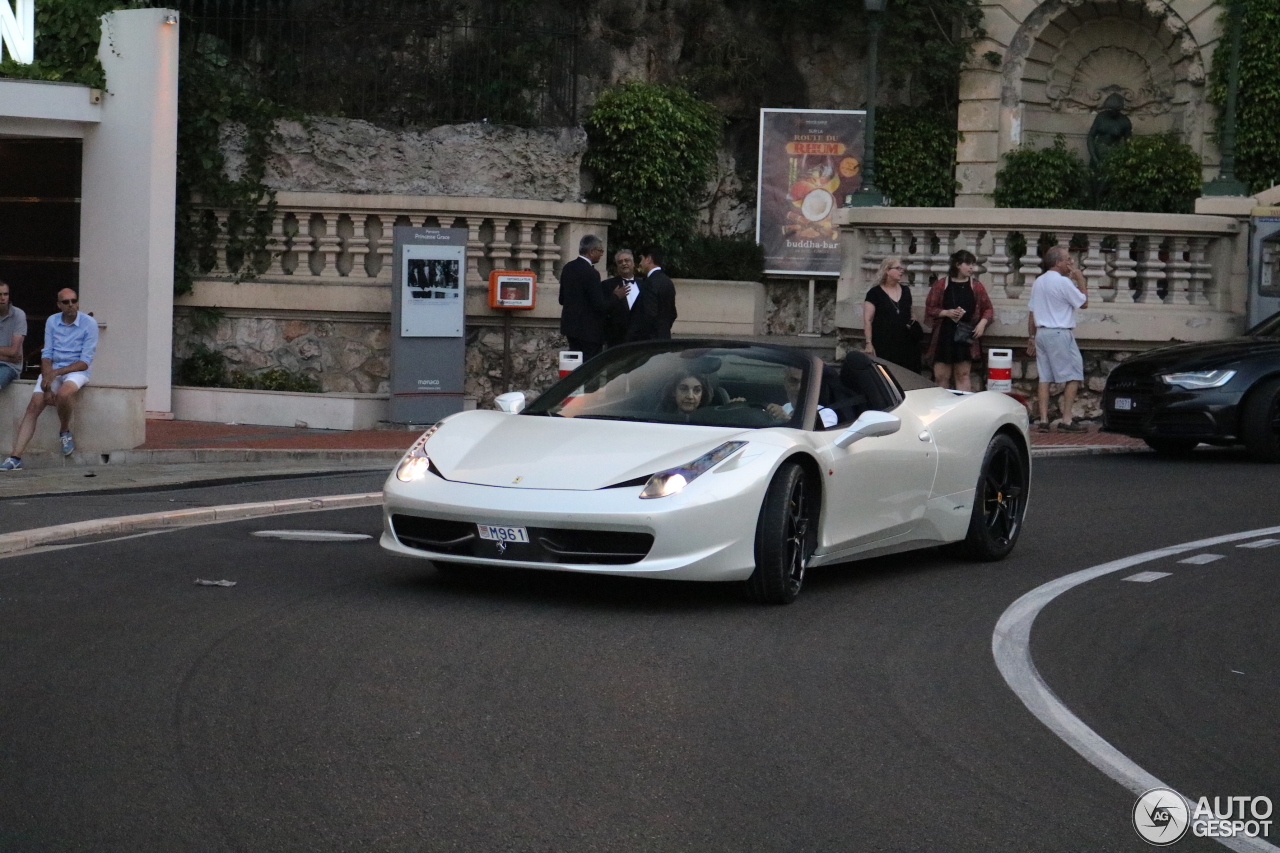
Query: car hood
[[577, 454], [1208, 355]]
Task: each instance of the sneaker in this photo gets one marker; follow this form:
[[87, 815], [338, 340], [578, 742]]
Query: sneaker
[[68, 443], [13, 463], [1073, 426]]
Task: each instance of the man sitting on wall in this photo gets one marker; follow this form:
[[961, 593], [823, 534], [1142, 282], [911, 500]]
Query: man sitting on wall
[[70, 341], [13, 330]]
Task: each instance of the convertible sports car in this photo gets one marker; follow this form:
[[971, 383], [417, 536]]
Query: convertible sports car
[[716, 461], [1217, 392]]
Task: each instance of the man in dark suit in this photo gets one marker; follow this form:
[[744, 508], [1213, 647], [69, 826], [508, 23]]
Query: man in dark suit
[[620, 293], [582, 318], [655, 310]]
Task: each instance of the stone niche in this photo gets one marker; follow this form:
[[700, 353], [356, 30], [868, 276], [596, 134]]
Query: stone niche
[[1060, 59]]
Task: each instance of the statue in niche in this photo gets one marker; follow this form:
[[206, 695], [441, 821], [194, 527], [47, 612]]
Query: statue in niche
[[1110, 128]]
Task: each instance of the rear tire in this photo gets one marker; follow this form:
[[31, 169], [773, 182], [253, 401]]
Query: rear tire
[[786, 537], [999, 502], [1171, 446], [1260, 421]]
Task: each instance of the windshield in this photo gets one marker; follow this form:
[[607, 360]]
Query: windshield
[[1268, 328], [681, 383]]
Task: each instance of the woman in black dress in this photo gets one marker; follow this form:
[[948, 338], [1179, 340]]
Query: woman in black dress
[[958, 298], [887, 320]]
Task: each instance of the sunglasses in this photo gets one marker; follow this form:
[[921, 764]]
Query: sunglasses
[[68, 301]]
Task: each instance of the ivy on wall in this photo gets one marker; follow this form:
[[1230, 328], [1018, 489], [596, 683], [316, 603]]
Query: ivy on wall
[[915, 157], [211, 91], [1258, 101], [650, 148]]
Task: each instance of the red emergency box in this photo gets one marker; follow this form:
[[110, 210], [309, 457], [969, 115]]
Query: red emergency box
[[512, 289]]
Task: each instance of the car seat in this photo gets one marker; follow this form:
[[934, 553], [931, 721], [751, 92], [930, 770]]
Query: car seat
[[858, 375]]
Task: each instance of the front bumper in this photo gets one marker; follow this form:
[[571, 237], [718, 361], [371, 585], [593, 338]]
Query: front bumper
[[1161, 411], [707, 532]]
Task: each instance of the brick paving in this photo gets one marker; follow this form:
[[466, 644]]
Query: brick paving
[[186, 435]]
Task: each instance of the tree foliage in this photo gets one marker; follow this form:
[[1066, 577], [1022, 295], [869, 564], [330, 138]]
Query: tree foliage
[[1258, 101], [915, 157], [1053, 177], [650, 149], [1151, 174]]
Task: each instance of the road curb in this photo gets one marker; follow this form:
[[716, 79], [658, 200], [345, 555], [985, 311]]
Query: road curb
[[24, 540], [178, 456], [1084, 450]]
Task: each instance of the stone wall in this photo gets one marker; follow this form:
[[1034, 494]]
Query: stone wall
[[473, 160], [355, 356], [787, 307]]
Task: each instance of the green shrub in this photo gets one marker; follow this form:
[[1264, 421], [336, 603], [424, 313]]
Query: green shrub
[[204, 368], [724, 258], [915, 157], [273, 379], [1150, 174], [1258, 101], [650, 148], [1043, 177]]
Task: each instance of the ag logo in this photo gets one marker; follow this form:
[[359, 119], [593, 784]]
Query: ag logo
[[1160, 816]]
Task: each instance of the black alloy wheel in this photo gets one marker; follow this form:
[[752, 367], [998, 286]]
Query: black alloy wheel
[[1260, 421], [786, 536], [1171, 446], [999, 502]]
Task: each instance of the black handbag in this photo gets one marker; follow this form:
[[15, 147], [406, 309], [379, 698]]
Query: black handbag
[[915, 332], [964, 333]]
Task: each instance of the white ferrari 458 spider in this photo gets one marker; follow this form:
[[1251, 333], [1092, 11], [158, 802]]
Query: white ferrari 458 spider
[[715, 461]]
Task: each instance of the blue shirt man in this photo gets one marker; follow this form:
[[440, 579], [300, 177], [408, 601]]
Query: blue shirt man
[[70, 342]]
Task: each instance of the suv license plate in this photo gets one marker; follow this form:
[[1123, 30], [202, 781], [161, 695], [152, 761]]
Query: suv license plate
[[503, 534], [1123, 404]]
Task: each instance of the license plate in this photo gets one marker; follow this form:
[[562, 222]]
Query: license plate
[[1123, 404], [503, 534]]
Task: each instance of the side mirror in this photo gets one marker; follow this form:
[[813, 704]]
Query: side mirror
[[869, 425], [512, 402]]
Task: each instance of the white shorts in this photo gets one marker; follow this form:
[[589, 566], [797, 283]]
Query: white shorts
[[78, 379]]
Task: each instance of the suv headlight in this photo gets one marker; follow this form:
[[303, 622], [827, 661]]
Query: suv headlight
[[1198, 378], [673, 480], [416, 463]]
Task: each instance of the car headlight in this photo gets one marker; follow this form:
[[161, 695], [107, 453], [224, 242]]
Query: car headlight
[[673, 480], [416, 463], [1199, 378]]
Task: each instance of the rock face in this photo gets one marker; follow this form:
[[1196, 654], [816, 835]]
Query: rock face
[[478, 160]]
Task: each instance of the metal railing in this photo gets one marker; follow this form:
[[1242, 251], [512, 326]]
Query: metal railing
[[400, 62]]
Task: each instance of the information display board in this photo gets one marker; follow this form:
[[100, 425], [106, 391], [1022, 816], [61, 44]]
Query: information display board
[[810, 164], [428, 315]]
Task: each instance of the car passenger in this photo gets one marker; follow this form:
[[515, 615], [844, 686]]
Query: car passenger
[[686, 393], [791, 383]]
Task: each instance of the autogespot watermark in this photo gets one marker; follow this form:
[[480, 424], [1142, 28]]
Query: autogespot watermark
[[1161, 816]]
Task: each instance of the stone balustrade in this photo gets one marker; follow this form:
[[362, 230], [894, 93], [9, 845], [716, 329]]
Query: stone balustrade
[[347, 238], [1139, 267]]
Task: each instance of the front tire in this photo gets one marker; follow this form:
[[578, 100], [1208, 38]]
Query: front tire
[[1260, 421], [1171, 446], [786, 536], [999, 502]]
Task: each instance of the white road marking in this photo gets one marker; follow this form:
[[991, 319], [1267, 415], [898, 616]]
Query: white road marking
[[1201, 559], [1261, 543], [1011, 647], [1146, 577], [312, 535]]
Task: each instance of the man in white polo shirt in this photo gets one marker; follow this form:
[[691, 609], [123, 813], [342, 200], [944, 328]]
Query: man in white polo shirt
[[1050, 320], [70, 342]]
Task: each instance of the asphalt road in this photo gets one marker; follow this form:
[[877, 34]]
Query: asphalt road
[[340, 699]]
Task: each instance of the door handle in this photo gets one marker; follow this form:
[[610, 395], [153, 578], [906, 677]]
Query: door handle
[[925, 435]]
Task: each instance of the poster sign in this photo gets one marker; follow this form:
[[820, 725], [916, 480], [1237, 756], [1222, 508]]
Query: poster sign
[[431, 303], [428, 314], [810, 164]]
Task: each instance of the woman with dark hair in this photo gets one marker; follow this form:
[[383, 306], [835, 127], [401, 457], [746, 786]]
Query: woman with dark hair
[[686, 393], [886, 318], [960, 310]]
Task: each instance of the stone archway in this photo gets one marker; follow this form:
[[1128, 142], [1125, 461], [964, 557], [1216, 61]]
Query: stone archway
[[1060, 61]]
